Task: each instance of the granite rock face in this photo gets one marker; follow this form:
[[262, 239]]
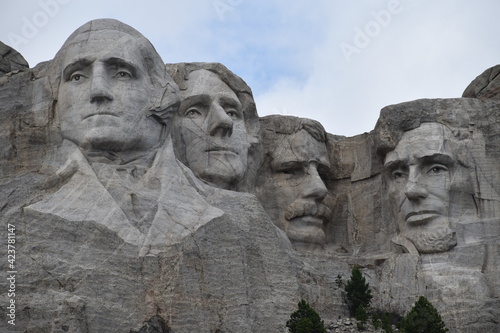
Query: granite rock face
[[11, 60], [144, 198]]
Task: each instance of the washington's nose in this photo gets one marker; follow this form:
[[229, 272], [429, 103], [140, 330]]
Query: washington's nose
[[100, 90], [314, 186], [220, 123]]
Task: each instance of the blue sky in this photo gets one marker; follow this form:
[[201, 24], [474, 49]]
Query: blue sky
[[336, 61]]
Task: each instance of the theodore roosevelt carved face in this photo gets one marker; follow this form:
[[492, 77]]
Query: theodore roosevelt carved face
[[291, 185], [421, 173]]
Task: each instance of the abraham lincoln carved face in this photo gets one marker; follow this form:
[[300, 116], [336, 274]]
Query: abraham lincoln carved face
[[423, 172]]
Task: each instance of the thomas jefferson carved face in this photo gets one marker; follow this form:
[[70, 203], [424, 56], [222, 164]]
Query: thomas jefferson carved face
[[292, 189], [421, 171], [104, 93], [210, 127]]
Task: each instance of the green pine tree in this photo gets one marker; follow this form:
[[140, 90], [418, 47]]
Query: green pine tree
[[423, 318], [358, 291], [305, 320]]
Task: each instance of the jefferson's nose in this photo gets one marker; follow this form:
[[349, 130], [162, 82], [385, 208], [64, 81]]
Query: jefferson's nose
[[219, 122]]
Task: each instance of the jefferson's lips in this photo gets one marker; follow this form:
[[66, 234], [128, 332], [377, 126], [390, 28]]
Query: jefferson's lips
[[421, 216], [221, 149]]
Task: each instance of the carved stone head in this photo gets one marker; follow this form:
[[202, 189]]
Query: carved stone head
[[106, 78], [424, 172], [291, 183], [216, 123]]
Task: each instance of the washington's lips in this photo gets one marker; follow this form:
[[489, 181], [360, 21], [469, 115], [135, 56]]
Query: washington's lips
[[421, 216], [100, 114]]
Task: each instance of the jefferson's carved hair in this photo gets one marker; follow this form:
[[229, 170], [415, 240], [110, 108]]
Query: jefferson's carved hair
[[180, 74]]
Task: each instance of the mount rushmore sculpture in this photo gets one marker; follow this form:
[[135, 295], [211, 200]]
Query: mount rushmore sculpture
[[142, 192]]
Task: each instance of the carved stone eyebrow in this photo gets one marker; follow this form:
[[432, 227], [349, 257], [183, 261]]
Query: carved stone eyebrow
[[392, 164], [76, 65], [121, 63], [234, 102], [438, 158], [194, 100]]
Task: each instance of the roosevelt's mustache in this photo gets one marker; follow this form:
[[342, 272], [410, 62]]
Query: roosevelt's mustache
[[299, 208]]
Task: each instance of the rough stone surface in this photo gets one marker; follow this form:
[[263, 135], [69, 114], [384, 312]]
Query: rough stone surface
[[119, 233], [486, 85], [11, 60]]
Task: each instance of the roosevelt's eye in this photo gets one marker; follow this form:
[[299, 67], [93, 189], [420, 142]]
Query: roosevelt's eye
[[292, 171]]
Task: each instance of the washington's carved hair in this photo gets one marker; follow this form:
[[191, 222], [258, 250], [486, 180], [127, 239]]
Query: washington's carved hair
[[164, 99]]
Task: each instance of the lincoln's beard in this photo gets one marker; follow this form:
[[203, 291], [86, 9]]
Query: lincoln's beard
[[438, 239]]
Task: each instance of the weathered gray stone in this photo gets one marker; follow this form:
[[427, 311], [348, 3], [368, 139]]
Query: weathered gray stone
[[114, 233], [216, 124], [486, 85], [11, 60]]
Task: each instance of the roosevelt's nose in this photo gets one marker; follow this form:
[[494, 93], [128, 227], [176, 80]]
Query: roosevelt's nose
[[220, 124], [314, 187], [100, 90], [414, 189]]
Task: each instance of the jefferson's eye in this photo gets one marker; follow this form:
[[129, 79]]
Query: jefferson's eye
[[191, 113], [232, 113], [75, 77]]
